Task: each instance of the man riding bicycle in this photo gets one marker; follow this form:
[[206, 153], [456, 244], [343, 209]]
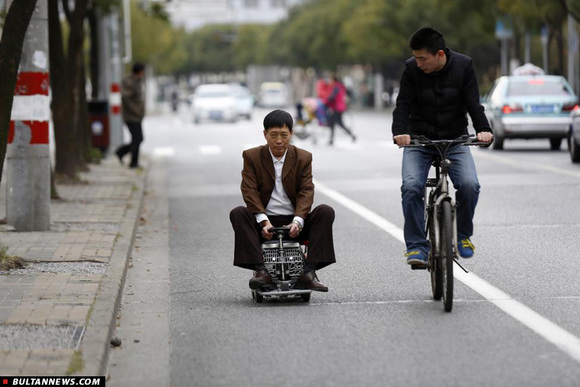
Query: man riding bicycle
[[438, 87]]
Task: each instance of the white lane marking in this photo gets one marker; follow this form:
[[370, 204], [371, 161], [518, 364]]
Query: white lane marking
[[429, 301], [524, 164], [364, 212], [210, 149], [165, 151], [556, 335]]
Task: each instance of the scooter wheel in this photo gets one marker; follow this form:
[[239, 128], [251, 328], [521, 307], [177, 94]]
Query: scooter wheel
[[258, 297], [305, 297]]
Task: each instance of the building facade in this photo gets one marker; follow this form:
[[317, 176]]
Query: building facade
[[194, 14]]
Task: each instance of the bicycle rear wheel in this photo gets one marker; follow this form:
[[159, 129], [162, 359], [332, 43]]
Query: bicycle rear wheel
[[446, 256]]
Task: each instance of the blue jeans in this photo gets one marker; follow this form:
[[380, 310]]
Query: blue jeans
[[415, 171]]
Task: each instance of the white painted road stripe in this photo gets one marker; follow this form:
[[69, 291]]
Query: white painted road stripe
[[210, 149], [364, 212], [165, 151], [556, 335], [525, 164]]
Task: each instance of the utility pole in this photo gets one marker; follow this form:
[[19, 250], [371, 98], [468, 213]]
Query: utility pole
[[28, 154], [116, 120], [504, 32], [545, 39], [572, 53]]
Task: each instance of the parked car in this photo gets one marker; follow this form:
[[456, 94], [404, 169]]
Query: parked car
[[574, 136], [245, 100], [273, 95], [214, 102], [530, 106]]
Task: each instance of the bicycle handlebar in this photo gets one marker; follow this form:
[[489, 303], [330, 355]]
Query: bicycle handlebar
[[465, 140]]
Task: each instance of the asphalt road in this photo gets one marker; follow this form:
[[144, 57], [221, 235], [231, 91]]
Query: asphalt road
[[515, 316]]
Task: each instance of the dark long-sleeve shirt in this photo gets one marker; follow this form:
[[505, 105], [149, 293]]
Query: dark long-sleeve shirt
[[436, 104]]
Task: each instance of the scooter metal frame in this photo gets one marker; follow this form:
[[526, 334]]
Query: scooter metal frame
[[284, 260]]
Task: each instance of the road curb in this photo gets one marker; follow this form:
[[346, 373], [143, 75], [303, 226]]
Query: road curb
[[95, 344]]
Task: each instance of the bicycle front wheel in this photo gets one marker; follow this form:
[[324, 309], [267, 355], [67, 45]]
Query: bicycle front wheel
[[446, 254], [434, 260]]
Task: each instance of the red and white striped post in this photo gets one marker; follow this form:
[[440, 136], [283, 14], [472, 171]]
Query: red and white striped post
[[115, 98], [28, 154]]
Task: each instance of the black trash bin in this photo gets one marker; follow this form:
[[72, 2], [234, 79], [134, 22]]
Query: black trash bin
[[100, 128]]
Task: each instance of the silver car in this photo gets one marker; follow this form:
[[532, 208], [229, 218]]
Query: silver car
[[574, 136], [215, 102], [524, 106]]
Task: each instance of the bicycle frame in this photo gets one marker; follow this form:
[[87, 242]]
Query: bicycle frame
[[433, 205]]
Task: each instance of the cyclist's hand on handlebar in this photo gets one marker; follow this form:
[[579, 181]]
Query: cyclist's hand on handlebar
[[266, 226], [402, 139], [484, 136]]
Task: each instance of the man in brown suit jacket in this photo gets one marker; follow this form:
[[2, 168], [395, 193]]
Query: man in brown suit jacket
[[278, 190]]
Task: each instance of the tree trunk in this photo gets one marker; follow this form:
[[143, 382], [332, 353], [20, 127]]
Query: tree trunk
[[14, 31], [94, 60], [75, 65], [68, 100], [61, 101], [85, 126]]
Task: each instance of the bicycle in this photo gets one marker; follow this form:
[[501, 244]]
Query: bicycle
[[440, 222]]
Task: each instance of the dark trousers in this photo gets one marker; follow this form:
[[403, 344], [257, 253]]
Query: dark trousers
[[317, 230], [136, 139], [335, 118]]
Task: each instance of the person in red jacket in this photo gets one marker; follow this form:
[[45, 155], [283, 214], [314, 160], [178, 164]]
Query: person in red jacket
[[336, 103]]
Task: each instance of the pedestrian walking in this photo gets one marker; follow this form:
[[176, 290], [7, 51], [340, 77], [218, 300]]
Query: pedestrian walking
[[133, 104], [336, 104]]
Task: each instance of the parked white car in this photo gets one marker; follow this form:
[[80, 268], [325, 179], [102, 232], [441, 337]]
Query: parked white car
[[273, 95], [216, 102], [245, 100]]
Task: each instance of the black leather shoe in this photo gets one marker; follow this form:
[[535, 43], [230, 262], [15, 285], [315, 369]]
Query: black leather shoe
[[310, 281], [260, 278], [119, 156]]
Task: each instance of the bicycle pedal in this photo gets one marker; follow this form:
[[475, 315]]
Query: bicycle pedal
[[419, 267]]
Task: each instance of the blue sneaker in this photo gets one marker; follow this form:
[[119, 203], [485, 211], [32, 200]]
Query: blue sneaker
[[416, 257], [465, 248]]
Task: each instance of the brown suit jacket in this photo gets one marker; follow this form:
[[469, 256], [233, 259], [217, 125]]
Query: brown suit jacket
[[258, 179]]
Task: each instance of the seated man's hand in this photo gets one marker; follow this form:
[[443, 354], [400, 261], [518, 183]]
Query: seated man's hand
[[266, 225], [294, 230]]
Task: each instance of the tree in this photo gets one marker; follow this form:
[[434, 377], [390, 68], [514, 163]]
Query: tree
[[312, 35], [67, 79], [249, 46], [533, 15], [14, 31], [155, 42]]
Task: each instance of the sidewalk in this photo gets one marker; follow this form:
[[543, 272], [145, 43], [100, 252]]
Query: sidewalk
[[57, 314]]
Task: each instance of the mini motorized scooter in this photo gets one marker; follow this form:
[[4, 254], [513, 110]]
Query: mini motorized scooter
[[284, 260]]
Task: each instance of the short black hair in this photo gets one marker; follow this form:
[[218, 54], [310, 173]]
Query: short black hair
[[427, 38], [138, 67], [278, 119]]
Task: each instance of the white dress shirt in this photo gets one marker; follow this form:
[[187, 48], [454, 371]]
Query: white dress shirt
[[279, 203]]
